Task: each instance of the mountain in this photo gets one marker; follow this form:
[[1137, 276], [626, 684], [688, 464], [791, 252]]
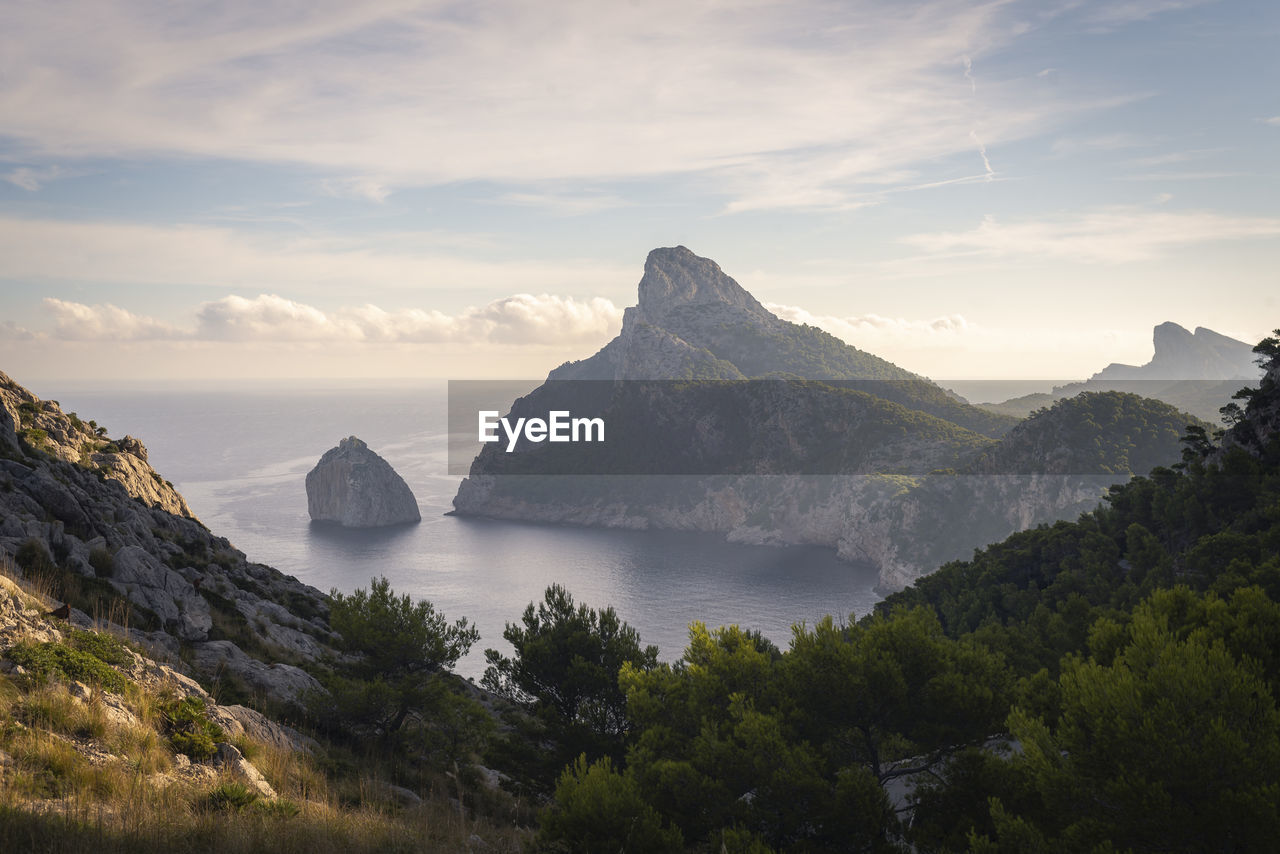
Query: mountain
[[1197, 372], [1182, 355], [725, 418], [692, 321]]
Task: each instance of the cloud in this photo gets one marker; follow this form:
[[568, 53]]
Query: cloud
[[1274, 120], [417, 93], [1119, 12], [1101, 142], [361, 187], [75, 321], [234, 258], [564, 204], [10, 331], [1106, 236], [30, 179], [522, 319], [864, 330]]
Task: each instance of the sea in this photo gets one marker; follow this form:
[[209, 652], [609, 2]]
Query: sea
[[240, 455]]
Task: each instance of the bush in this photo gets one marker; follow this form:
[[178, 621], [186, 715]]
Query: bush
[[102, 561], [55, 658], [597, 809], [34, 558], [232, 797], [108, 649], [190, 731]]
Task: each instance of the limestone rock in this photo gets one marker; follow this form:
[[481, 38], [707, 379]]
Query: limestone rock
[[354, 487], [282, 682], [232, 759], [241, 719]]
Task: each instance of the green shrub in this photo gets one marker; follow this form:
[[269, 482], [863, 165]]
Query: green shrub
[[232, 797], [598, 809], [107, 648], [102, 561], [190, 731], [34, 558], [55, 658], [278, 808]]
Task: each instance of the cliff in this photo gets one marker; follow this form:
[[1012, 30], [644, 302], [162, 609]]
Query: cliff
[[354, 487]]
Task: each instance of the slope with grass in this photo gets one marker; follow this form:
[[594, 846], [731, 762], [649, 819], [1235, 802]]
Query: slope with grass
[[104, 749]]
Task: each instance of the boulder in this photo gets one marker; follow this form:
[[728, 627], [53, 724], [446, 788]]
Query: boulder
[[231, 759], [283, 683], [354, 487]]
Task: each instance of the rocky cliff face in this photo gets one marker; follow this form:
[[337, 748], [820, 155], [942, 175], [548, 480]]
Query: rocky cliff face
[[354, 487], [43, 425], [116, 541]]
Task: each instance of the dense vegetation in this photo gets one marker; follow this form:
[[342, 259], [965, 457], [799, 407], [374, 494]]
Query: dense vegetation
[[1108, 684]]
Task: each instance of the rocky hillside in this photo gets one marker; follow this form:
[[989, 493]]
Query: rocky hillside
[[110, 537]]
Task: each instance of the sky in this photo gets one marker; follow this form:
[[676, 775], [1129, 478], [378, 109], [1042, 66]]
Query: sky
[[405, 190]]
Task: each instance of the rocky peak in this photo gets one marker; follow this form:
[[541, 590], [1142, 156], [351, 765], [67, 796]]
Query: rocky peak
[[1183, 355], [675, 278]]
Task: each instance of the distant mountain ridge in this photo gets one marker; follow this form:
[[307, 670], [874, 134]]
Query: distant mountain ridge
[[904, 460], [1197, 372], [1182, 355]]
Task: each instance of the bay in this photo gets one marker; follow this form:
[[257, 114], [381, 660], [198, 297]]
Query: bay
[[240, 455]]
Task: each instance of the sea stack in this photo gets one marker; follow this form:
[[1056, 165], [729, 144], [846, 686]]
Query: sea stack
[[353, 487]]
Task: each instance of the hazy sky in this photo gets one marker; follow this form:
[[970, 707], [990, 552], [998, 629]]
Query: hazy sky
[[281, 188]]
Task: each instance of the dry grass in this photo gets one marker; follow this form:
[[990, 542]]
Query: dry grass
[[83, 779]]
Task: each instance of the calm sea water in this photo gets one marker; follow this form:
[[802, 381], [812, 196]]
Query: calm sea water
[[240, 458]]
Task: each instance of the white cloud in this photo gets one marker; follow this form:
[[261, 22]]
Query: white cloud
[[867, 330], [521, 320], [1274, 120], [75, 321], [1118, 12], [30, 179], [234, 258], [420, 93], [361, 187], [1107, 236]]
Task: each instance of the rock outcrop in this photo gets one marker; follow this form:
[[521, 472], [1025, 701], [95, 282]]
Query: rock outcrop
[[44, 427], [354, 487]]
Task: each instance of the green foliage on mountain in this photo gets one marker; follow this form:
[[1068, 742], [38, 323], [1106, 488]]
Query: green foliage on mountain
[[1101, 432]]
